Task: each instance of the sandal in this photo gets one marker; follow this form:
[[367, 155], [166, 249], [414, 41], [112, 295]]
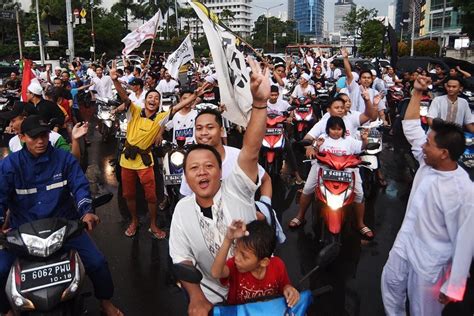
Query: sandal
[[131, 230], [157, 235], [296, 223], [364, 233]]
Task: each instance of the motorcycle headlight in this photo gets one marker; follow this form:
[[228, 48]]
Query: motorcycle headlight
[[334, 201], [40, 247], [177, 159]]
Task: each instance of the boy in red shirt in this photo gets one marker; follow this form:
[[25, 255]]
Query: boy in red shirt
[[252, 272]]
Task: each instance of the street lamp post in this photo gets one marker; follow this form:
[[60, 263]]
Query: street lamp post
[[267, 9]]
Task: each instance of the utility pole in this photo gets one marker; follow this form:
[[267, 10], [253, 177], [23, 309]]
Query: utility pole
[[18, 31], [40, 38], [442, 30], [92, 28], [70, 32], [176, 16], [413, 29]]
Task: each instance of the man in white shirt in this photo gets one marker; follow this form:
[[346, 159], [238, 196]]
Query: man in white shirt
[[303, 89], [279, 78], [167, 85], [434, 248], [450, 107], [333, 73], [200, 221], [102, 84], [138, 94], [354, 89], [309, 59]]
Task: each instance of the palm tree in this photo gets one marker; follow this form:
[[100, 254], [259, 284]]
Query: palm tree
[[121, 10]]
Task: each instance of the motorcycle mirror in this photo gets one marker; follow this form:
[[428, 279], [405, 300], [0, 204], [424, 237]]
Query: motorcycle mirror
[[291, 108], [373, 146], [187, 273], [102, 199], [328, 254]]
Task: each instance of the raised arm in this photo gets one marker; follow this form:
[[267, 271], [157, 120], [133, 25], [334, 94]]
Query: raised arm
[[118, 86], [260, 87], [347, 66], [370, 112], [197, 93], [411, 123]]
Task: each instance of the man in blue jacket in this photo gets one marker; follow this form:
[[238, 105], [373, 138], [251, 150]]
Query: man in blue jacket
[[40, 181]]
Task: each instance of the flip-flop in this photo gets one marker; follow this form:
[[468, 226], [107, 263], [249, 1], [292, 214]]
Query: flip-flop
[[364, 233], [157, 235], [296, 223], [130, 232]]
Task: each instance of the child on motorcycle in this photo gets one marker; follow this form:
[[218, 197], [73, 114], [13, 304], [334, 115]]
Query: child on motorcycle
[[252, 272]]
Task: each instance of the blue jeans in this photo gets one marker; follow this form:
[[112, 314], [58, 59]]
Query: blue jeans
[[94, 262]]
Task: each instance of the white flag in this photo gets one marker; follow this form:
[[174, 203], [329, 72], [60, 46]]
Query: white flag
[[232, 73], [146, 31], [182, 55]]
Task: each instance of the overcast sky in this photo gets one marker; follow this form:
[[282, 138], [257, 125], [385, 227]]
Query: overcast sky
[[380, 5]]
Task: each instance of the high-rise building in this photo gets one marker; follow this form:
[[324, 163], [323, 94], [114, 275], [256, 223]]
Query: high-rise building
[[391, 13], [309, 15], [291, 9], [431, 22], [341, 9]]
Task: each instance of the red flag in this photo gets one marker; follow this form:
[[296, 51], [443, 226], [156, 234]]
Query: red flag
[[28, 75]]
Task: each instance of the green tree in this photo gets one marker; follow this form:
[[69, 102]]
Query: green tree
[[372, 37], [283, 32], [8, 27], [466, 7], [121, 10], [356, 18], [189, 15]]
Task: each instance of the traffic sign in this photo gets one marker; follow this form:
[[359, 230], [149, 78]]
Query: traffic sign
[[7, 15], [83, 13]]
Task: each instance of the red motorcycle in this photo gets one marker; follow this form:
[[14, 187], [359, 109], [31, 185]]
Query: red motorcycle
[[273, 144], [304, 117]]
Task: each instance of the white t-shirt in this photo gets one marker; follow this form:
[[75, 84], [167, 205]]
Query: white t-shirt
[[351, 120], [192, 235], [166, 86], [300, 92], [91, 73], [342, 146], [443, 108], [103, 86], [278, 107], [138, 100], [389, 80], [228, 164], [310, 61], [358, 103], [183, 125], [280, 88], [333, 74]]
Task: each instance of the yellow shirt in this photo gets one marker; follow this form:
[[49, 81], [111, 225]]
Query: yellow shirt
[[141, 132]]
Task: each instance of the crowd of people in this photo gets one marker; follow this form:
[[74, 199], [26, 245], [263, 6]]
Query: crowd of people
[[216, 226]]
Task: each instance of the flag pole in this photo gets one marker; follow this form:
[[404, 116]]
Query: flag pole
[[153, 40]]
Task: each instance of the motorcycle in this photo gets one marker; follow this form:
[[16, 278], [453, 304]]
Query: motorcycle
[[7, 99], [395, 96], [271, 155], [322, 101], [173, 169], [44, 278], [105, 118], [303, 119], [369, 171], [467, 158], [335, 190], [266, 305]]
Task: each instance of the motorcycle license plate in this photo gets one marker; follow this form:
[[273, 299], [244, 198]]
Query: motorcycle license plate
[[274, 131], [46, 276], [303, 109], [173, 179], [334, 175]]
